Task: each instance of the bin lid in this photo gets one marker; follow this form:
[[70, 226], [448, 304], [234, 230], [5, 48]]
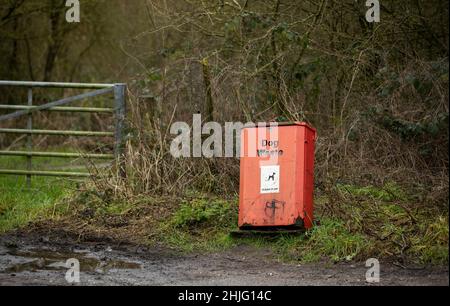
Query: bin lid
[[268, 124]]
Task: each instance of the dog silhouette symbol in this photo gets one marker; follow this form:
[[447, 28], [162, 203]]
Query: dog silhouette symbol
[[272, 177]]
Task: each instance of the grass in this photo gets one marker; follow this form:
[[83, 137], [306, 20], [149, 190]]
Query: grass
[[397, 226], [367, 222], [356, 222], [388, 193], [202, 223], [20, 205], [329, 241]]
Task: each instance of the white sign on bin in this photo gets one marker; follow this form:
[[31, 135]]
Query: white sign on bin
[[270, 179]]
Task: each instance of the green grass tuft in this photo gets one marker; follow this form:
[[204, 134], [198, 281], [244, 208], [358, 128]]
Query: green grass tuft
[[20, 206], [332, 240], [388, 193], [203, 211], [201, 224]]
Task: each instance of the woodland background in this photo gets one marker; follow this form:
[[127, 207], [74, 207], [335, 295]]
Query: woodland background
[[377, 93]]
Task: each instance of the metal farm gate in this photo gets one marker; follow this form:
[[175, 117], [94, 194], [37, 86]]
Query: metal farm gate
[[118, 111]]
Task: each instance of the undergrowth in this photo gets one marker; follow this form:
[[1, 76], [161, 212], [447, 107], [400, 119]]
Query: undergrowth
[[355, 223], [369, 222], [202, 223]]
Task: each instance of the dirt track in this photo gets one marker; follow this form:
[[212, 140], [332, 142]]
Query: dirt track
[[28, 260]]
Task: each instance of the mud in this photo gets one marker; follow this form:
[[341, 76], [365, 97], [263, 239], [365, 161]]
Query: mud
[[26, 259]]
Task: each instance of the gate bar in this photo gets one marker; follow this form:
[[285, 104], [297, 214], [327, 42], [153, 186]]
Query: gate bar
[[56, 85], [30, 136], [57, 103], [45, 173], [58, 133], [60, 109], [56, 154]]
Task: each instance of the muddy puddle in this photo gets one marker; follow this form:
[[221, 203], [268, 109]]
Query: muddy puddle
[[47, 260]]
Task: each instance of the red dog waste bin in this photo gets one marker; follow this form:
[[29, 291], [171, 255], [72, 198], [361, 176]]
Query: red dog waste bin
[[277, 177]]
